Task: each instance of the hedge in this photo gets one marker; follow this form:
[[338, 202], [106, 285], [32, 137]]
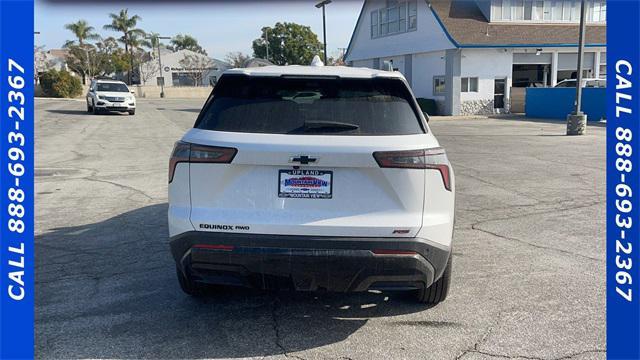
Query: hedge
[[60, 84]]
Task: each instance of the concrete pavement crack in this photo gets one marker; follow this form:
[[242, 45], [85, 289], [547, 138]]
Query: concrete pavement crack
[[125, 187], [476, 225], [526, 357], [275, 305]]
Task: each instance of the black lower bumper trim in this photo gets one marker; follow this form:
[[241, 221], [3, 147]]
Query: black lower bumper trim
[[309, 262]]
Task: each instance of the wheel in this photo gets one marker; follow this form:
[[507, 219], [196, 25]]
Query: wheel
[[438, 291], [188, 285], [95, 110], [132, 112]]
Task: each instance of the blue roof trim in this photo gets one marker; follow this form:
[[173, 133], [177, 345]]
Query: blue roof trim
[[353, 34], [471, 46], [444, 29]]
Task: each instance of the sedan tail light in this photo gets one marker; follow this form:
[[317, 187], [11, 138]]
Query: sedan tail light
[[435, 159], [184, 152]]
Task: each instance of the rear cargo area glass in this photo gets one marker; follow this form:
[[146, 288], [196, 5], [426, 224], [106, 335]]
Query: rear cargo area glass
[[311, 106]]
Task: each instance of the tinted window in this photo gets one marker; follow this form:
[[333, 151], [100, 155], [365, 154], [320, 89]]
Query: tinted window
[[116, 87], [310, 106]]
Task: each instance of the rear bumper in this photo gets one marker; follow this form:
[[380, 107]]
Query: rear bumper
[[309, 262]]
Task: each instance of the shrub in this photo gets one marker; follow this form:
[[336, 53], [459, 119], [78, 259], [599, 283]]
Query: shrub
[[60, 84]]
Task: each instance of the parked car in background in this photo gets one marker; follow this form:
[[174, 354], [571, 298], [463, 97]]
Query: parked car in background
[[589, 83], [110, 95], [312, 178]]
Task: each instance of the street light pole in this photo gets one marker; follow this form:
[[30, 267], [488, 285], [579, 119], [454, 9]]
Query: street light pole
[[35, 63], [322, 5], [577, 120], [266, 34], [160, 62]]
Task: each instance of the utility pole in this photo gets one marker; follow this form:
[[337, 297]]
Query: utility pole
[[322, 4], [577, 120]]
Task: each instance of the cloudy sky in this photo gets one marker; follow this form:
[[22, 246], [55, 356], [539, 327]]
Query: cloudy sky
[[220, 27]]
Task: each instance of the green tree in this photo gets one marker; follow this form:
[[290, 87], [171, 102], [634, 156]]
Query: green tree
[[186, 42], [60, 84], [82, 32], [289, 43], [121, 22]]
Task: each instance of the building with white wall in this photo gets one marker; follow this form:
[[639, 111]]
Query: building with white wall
[[467, 55], [182, 68]]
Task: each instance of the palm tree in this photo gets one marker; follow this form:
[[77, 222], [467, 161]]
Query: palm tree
[[82, 32], [152, 41], [121, 22]]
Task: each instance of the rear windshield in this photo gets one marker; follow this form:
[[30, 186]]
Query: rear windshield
[[115, 87], [282, 105]]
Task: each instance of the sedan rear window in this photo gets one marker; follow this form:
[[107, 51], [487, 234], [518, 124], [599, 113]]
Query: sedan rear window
[[299, 105]]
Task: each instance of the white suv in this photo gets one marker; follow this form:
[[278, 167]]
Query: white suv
[[312, 178], [110, 95]]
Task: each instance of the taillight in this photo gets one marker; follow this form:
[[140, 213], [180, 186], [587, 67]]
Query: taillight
[[435, 159], [193, 153]]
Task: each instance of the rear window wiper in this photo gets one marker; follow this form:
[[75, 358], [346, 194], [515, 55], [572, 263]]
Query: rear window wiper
[[328, 125]]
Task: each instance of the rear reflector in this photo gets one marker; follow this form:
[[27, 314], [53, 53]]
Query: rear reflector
[[214, 247], [193, 153], [393, 252], [435, 159]]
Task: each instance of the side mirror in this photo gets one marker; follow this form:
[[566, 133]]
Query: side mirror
[[426, 116]]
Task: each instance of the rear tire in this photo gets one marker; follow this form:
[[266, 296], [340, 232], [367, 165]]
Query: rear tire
[[188, 285], [438, 291]]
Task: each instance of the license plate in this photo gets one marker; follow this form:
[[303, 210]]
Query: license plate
[[305, 184]]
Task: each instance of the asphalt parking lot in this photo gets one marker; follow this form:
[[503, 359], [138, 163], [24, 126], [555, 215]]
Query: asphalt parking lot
[[529, 253]]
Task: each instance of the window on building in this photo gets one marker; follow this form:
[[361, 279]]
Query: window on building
[[438, 85], [413, 15], [528, 9], [598, 8], [517, 9], [496, 9], [384, 22], [469, 84], [538, 10], [603, 65], [556, 11], [547, 10], [567, 9], [506, 9], [397, 17], [374, 23]]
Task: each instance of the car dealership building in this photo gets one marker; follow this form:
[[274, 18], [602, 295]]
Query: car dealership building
[[475, 57]]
